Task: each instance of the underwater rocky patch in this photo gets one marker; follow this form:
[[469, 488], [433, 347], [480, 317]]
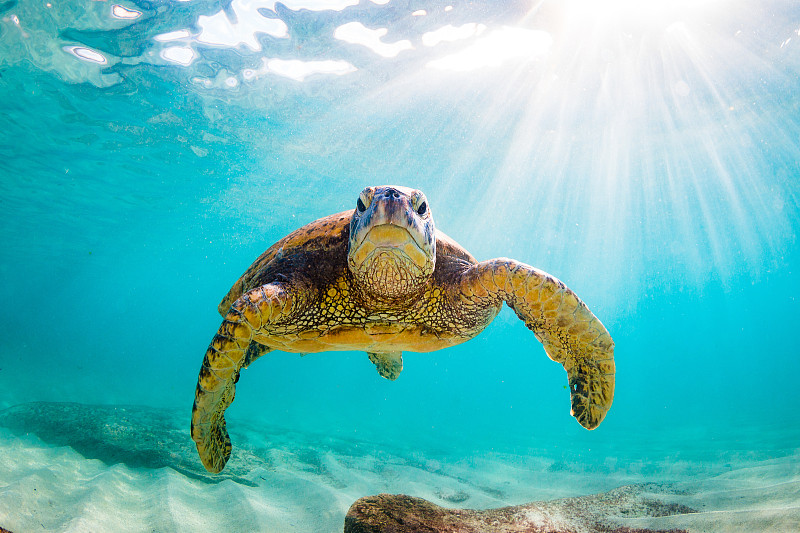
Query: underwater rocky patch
[[136, 436], [151, 438], [406, 514]]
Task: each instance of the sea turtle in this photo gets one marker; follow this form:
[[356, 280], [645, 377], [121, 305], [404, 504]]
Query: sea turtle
[[381, 278]]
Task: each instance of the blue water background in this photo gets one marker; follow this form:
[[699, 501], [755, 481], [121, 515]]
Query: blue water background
[[653, 167]]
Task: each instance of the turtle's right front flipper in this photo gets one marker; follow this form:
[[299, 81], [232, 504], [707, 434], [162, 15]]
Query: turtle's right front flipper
[[570, 333], [232, 349]]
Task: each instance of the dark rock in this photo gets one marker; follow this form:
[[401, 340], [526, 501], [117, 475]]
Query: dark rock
[[386, 513]]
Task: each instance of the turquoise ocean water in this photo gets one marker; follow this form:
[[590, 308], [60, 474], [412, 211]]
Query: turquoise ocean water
[[647, 154]]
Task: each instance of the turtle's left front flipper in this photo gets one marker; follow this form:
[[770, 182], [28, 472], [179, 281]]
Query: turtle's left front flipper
[[570, 333]]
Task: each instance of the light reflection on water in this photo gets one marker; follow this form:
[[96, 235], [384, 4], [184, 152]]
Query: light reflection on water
[[603, 113], [122, 12], [87, 54]]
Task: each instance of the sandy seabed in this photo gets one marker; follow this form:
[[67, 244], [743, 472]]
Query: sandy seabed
[[80, 468]]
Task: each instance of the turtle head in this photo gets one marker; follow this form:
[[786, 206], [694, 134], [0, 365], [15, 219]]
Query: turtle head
[[392, 248]]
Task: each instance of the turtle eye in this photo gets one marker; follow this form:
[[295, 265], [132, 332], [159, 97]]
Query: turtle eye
[[423, 208], [360, 206]]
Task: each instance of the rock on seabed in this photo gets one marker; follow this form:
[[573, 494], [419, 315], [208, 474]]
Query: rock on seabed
[[387, 513]]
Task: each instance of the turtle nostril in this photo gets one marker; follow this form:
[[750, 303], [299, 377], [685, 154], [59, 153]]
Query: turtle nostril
[[391, 193]]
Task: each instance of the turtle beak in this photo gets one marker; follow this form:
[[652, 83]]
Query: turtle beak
[[390, 206]]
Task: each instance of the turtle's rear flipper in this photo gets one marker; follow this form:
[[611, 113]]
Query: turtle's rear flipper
[[389, 364]]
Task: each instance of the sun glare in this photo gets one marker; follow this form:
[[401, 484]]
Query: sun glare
[[628, 122], [496, 48], [638, 11]]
